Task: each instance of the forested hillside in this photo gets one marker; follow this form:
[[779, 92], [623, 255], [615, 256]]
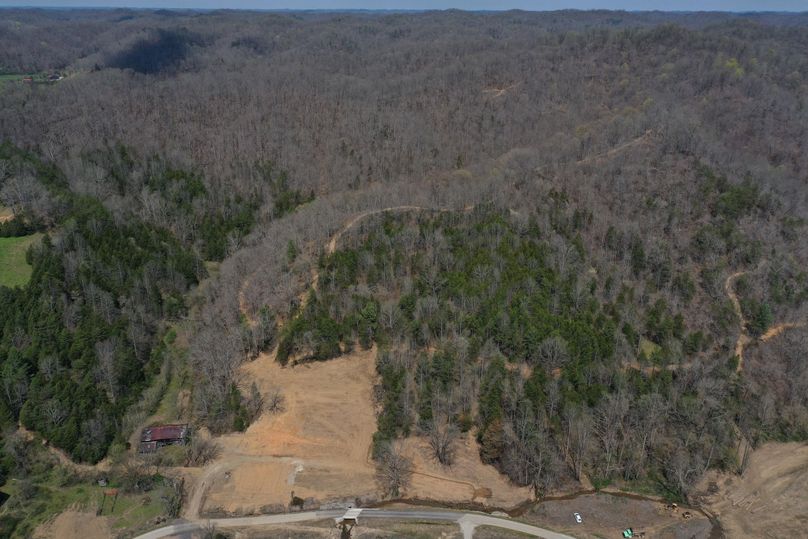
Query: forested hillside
[[579, 237], [77, 339], [514, 326]]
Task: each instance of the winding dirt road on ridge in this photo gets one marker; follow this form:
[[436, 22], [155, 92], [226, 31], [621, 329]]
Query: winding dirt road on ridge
[[331, 247], [617, 149]]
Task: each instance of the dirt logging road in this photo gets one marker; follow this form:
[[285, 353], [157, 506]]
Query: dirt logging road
[[743, 336], [744, 339], [331, 247]]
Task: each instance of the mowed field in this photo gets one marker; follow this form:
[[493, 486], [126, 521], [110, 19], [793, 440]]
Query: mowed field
[[319, 447], [14, 270], [770, 499]]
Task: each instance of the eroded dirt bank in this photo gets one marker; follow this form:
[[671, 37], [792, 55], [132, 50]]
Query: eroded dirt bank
[[770, 499]]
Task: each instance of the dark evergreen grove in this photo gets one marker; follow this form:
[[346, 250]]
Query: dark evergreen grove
[[81, 341], [78, 341]]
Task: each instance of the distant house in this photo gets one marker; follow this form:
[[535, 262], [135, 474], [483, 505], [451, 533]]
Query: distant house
[[53, 77], [153, 438]]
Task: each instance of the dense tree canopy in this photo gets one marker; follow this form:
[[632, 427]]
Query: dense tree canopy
[[555, 227]]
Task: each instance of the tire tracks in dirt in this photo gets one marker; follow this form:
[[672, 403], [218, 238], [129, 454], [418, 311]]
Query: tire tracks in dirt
[[198, 492]]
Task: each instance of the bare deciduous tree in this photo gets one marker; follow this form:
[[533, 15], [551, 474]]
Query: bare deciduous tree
[[200, 451], [442, 434], [393, 470], [105, 352]]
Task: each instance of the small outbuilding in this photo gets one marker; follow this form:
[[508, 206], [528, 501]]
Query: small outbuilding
[[348, 521], [153, 438]]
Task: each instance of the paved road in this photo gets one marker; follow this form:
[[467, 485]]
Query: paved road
[[466, 521]]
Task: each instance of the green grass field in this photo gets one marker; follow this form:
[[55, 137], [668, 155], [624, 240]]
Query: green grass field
[[14, 270], [8, 79], [649, 348], [11, 77]]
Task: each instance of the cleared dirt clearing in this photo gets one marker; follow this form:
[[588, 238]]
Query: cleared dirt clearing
[[467, 479], [770, 498], [317, 447]]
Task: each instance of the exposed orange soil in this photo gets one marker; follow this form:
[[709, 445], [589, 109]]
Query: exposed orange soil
[[774, 331], [770, 499], [75, 525], [607, 515], [317, 446], [467, 479]]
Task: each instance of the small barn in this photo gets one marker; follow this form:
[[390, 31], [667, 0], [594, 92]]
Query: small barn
[[153, 438]]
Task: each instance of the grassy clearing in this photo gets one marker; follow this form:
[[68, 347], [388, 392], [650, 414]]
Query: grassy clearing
[[15, 77], [645, 487], [14, 270], [168, 410], [649, 348], [51, 499], [171, 382], [134, 510], [12, 78]]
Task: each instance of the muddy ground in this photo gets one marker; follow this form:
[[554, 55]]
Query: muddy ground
[[607, 515]]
